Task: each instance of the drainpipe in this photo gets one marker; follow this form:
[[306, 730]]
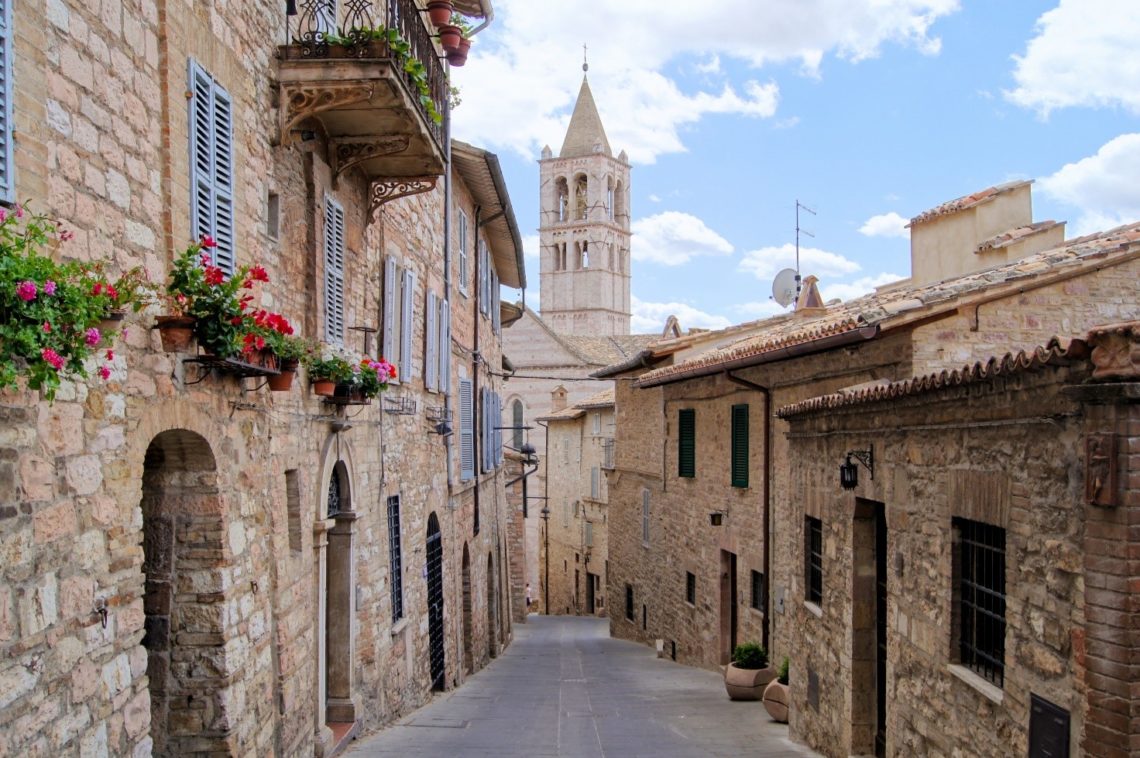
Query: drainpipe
[[546, 519], [766, 496], [477, 359]]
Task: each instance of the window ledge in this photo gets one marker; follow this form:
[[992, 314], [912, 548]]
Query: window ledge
[[814, 609], [399, 626], [645, 545], [988, 689]]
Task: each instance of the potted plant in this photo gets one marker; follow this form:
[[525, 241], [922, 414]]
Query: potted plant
[[439, 11], [289, 351], [458, 55], [370, 378], [326, 372], [450, 34], [749, 673], [130, 291], [777, 696]]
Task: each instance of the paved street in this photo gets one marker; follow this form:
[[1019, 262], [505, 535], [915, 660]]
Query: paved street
[[564, 688]]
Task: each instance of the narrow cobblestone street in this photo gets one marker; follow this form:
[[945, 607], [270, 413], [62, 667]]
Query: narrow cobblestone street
[[564, 688]]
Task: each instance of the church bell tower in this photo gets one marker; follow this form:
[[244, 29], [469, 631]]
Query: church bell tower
[[584, 229]]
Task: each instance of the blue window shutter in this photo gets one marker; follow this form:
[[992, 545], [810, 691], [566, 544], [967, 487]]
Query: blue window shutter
[[408, 304], [431, 344], [499, 431], [334, 272], [225, 255], [211, 166], [466, 431], [493, 303], [7, 161], [445, 346]]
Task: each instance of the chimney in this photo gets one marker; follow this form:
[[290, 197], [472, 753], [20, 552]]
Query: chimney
[[558, 399]]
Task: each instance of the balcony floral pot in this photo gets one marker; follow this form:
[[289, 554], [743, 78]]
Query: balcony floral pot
[[439, 12], [458, 57], [287, 370], [749, 673], [176, 332], [450, 36], [777, 696], [323, 387]]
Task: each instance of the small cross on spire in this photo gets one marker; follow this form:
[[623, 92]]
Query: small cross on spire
[[585, 64]]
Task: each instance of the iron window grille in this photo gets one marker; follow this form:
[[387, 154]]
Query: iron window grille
[[395, 561], [757, 590], [334, 495], [981, 598], [690, 588], [686, 443], [813, 560]]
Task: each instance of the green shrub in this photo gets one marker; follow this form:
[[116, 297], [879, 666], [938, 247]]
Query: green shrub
[[782, 671], [750, 655]]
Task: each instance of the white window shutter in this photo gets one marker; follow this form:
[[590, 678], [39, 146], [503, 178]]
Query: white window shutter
[[391, 288], [7, 161], [408, 303], [445, 346], [463, 273], [225, 254], [334, 272], [431, 342], [466, 431], [482, 277], [493, 303], [211, 166]]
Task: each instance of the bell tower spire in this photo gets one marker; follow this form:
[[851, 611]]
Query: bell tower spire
[[584, 227]]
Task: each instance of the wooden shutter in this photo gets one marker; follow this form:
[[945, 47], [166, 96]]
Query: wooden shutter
[[594, 484], [740, 446], [408, 303], [466, 431], [686, 442], [211, 166], [391, 289], [334, 272], [484, 437], [225, 255], [463, 272], [7, 162], [444, 346], [498, 429], [431, 344], [493, 304]]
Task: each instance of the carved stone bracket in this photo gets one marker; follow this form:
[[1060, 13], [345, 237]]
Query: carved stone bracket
[[386, 190], [299, 102], [350, 151], [1116, 351]]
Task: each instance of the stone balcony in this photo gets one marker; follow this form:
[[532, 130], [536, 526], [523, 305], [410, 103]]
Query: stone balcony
[[366, 77]]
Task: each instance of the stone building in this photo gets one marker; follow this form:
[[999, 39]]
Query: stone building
[[977, 584], [580, 441], [192, 564], [706, 526]]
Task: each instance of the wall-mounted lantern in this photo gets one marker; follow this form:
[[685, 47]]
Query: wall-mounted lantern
[[849, 471]]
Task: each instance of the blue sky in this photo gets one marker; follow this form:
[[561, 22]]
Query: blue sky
[[731, 110]]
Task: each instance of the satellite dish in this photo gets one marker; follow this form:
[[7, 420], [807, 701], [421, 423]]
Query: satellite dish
[[784, 287]]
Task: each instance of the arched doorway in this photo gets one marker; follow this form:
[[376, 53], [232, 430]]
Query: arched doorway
[[183, 547], [435, 603], [492, 631], [339, 706], [468, 651]]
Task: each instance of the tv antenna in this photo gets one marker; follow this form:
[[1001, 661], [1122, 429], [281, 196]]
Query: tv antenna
[[799, 231]]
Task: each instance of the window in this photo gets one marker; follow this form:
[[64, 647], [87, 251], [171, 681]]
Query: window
[[293, 508], [981, 598], [272, 215], [517, 423], [484, 279], [395, 562], [595, 485], [686, 442], [466, 430], [493, 304], [757, 591], [608, 453], [596, 419], [392, 314], [431, 344], [740, 445], [334, 272], [813, 560], [629, 602], [610, 199], [589, 534], [463, 268], [7, 163], [211, 163], [690, 588], [491, 433], [444, 326], [407, 307], [645, 516]]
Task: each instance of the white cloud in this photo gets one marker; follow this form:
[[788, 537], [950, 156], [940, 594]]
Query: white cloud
[[649, 318], [672, 238], [523, 76], [787, 123], [885, 225], [861, 286], [530, 246], [1102, 186], [766, 262], [654, 198], [1084, 54]]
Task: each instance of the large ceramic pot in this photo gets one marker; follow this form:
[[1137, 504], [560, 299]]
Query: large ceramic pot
[[776, 699], [176, 332], [439, 11], [283, 381], [323, 387], [747, 684]]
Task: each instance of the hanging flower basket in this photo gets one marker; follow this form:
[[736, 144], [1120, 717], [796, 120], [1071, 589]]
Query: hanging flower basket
[[439, 11], [176, 332]]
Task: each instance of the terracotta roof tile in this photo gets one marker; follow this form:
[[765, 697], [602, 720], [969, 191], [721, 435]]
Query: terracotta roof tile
[[1051, 354], [1015, 235], [967, 201], [603, 399]]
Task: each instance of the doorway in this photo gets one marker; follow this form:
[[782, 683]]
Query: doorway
[[728, 621], [491, 597], [880, 633], [591, 584], [435, 603], [869, 629], [468, 652]]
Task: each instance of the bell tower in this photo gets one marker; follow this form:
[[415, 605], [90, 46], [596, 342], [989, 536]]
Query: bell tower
[[584, 229]]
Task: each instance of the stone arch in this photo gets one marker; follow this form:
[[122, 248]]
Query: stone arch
[[434, 556], [468, 646], [184, 601]]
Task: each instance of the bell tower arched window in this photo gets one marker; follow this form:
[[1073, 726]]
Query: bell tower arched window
[[581, 186], [563, 192]]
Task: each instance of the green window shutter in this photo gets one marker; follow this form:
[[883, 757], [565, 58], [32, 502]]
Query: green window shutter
[[687, 442], [740, 446]]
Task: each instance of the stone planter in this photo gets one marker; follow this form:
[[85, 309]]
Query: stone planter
[[747, 684], [176, 332], [776, 699]]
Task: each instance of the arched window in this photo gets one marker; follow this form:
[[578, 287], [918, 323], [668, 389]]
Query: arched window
[[621, 212], [610, 197], [585, 255], [580, 189], [517, 423], [563, 199]]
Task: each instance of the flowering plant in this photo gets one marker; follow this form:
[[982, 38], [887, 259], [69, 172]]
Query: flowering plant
[[371, 377], [331, 368], [49, 314], [226, 325], [132, 290]]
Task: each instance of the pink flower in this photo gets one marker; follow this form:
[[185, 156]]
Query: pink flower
[[105, 372], [3, 215], [92, 337], [19, 211], [52, 357], [110, 355], [49, 287], [47, 327], [67, 235], [208, 241], [26, 291]]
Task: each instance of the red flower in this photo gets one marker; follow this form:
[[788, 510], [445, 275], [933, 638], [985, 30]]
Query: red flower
[[208, 241], [110, 355], [258, 274], [97, 289], [105, 372], [214, 276], [52, 357]]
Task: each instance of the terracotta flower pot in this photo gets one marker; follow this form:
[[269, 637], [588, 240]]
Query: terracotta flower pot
[[459, 56], [323, 387], [776, 700], [112, 321], [449, 37], [747, 684], [176, 332], [282, 382], [439, 11]]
